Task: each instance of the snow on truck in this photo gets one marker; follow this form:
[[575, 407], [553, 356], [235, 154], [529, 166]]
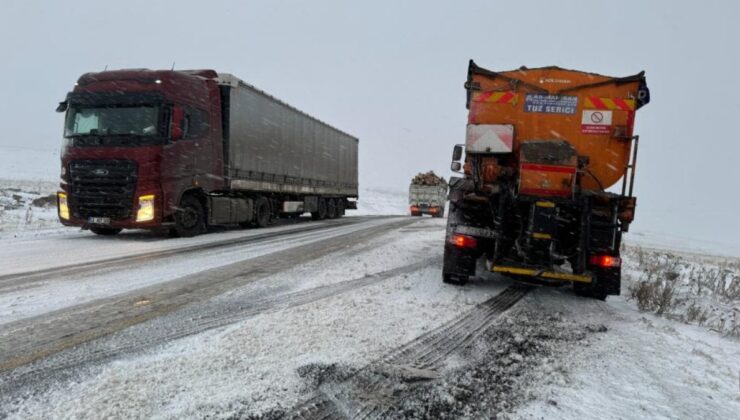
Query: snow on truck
[[427, 195], [542, 147], [188, 149]]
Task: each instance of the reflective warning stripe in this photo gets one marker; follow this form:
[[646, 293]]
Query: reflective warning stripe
[[496, 97], [548, 168], [553, 275], [594, 102]]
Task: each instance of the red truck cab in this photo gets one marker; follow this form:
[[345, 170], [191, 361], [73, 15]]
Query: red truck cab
[[135, 141]]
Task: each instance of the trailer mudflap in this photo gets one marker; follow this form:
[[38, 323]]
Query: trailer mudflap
[[543, 274]]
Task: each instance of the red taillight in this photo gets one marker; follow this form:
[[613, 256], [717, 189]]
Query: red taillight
[[433, 210], [414, 208], [463, 241], [605, 261]]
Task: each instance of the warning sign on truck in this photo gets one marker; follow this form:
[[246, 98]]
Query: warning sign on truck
[[550, 104], [596, 122]]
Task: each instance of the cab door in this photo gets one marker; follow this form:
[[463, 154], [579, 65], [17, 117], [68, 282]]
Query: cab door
[[178, 158]]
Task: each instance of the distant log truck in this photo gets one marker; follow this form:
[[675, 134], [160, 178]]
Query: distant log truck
[[427, 195], [186, 150], [543, 146]]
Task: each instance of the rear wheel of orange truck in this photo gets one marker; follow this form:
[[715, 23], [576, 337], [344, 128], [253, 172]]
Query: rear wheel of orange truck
[[459, 256]]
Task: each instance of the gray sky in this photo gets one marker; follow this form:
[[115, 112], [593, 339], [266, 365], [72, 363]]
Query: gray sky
[[391, 73]]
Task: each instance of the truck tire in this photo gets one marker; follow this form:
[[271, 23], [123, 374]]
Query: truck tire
[[320, 213], [262, 212], [331, 209], [190, 217], [104, 231], [340, 207]]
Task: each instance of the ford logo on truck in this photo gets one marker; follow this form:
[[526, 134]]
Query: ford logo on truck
[[100, 172]]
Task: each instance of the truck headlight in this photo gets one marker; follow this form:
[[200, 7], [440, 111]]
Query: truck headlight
[[146, 208], [63, 206]]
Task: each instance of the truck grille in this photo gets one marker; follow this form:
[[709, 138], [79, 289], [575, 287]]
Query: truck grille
[[102, 188]]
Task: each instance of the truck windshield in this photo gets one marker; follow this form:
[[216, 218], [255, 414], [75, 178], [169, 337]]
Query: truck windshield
[[119, 120]]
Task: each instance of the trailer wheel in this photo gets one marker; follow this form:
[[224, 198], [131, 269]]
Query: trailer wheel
[[340, 207], [190, 217], [263, 215], [320, 214], [331, 209], [103, 231]]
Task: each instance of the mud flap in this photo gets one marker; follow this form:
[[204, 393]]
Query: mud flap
[[608, 281], [459, 262]]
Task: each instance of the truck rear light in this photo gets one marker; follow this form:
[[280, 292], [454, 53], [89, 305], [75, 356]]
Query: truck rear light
[[433, 210], [414, 208], [146, 208], [605, 261], [63, 206], [464, 241]]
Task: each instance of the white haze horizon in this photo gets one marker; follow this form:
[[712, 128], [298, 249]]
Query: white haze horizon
[[392, 74]]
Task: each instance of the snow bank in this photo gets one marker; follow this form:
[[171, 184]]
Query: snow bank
[[690, 288], [381, 201], [644, 366], [27, 208]]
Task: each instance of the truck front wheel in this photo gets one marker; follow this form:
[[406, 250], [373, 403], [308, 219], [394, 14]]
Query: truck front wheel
[[190, 218]]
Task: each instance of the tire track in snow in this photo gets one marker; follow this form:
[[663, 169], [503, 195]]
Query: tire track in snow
[[11, 282], [427, 351]]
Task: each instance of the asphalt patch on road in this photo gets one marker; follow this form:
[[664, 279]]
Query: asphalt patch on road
[[498, 372], [500, 369]]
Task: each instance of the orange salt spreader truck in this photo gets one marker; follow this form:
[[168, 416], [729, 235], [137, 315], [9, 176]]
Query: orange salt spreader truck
[[542, 147]]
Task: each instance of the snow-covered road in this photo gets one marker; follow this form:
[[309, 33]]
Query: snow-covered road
[[337, 319], [43, 275]]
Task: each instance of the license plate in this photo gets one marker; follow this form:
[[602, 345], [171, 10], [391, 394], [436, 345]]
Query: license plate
[[98, 220]]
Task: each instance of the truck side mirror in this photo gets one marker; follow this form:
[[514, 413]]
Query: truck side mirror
[[176, 130], [456, 166], [62, 106], [457, 153]]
